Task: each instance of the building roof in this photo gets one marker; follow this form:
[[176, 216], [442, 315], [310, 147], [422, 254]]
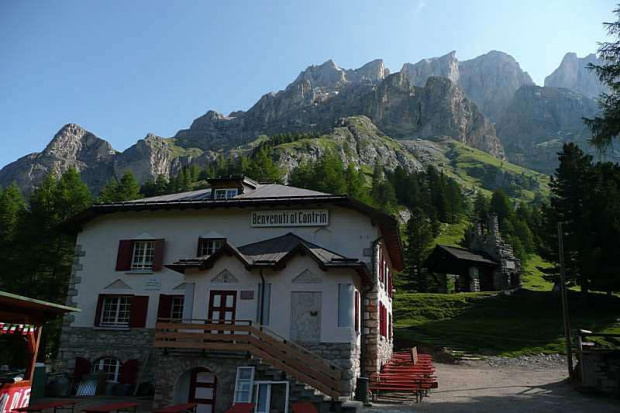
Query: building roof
[[19, 309], [265, 195], [274, 253], [467, 255]]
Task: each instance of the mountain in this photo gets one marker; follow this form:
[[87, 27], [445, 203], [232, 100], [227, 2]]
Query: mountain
[[573, 74], [323, 94], [540, 119], [489, 80], [72, 146]]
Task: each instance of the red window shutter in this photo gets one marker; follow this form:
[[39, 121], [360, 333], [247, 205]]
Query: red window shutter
[[381, 265], [125, 253], [158, 252], [128, 373], [82, 368], [165, 306], [357, 311], [139, 309], [98, 310]]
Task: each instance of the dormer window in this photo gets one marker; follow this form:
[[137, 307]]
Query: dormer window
[[226, 193], [208, 246]]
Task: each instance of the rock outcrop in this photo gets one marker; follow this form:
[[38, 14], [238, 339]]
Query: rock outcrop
[[573, 74], [72, 147]]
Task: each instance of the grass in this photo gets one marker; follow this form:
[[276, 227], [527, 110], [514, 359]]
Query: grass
[[452, 234], [532, 277], [527, 322]]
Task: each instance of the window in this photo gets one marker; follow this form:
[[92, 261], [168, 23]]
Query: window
[[116, 311], [176, 308], [243, 385], [226, 193], [382, 320], [143, 254], [344, 305], [208, 246], [110, 366]]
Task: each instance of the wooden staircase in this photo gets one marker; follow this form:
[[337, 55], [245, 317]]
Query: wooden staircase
[[260, 342]]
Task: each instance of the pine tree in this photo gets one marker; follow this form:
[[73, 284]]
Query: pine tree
[[420, 237]]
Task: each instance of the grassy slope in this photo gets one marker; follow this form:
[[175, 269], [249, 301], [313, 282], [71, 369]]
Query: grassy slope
[[528, 322]]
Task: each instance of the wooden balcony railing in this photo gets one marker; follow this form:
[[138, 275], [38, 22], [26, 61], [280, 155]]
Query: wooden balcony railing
[[241, 335]]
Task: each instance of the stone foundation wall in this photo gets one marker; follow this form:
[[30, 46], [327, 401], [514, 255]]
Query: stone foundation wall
[[343, 355], [169, 370], [600, 370], [92, 344]]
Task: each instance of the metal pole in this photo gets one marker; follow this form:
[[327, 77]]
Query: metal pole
[[569, 352]]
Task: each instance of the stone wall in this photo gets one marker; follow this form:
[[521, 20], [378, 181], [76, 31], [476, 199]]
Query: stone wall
[[600, 370], [93, 343], [343, 355]]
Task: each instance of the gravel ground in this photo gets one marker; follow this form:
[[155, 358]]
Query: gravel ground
[[535, 384]]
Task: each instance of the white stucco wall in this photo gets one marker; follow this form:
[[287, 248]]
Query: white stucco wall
[[348, 233], [282, 286]]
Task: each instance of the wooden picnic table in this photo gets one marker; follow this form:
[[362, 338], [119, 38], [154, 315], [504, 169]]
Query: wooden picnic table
[[112, 407], [178, 408], [58, 405]]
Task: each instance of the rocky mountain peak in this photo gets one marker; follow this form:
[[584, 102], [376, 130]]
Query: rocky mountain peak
[[327, 74], [574, 74], [373, 71], [491, 81], [445, 66]]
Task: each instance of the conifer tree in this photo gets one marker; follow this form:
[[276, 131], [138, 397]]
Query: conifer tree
[[420, 237]]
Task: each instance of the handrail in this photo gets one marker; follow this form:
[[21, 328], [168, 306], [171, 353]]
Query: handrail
[[243, 336]]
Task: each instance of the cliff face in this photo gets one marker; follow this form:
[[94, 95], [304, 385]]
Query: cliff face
[[489, 80], [573, 74], [539, 120]]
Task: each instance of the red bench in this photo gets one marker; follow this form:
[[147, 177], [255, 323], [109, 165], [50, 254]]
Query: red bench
[[59, 405], [112, 407], [179, 408]]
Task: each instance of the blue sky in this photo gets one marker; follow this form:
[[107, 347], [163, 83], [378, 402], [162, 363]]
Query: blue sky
[[122, 69]]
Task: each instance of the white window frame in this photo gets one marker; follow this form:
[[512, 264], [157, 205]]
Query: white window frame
[[142, 250], [174, 301], [257, 385], [213, 245], [249, 381], [225, 193], [117, 311], [115, 371]]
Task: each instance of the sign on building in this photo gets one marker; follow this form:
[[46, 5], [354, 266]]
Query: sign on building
[[290, 218]]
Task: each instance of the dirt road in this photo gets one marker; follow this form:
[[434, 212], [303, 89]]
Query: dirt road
[[478, 387]]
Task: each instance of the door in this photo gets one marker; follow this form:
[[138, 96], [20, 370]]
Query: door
[[202, 389], [222, 307], [306, 316]]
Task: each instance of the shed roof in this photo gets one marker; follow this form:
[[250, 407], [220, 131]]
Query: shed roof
[[467, 255]]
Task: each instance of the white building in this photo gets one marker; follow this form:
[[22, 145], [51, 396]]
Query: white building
[[254, 286]]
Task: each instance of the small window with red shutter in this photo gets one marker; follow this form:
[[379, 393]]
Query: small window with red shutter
[[140, 255]]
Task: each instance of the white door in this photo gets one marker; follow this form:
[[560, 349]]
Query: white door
[[306, 316]]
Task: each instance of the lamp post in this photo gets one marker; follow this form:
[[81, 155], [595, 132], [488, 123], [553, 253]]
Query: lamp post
[[569, 352]]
